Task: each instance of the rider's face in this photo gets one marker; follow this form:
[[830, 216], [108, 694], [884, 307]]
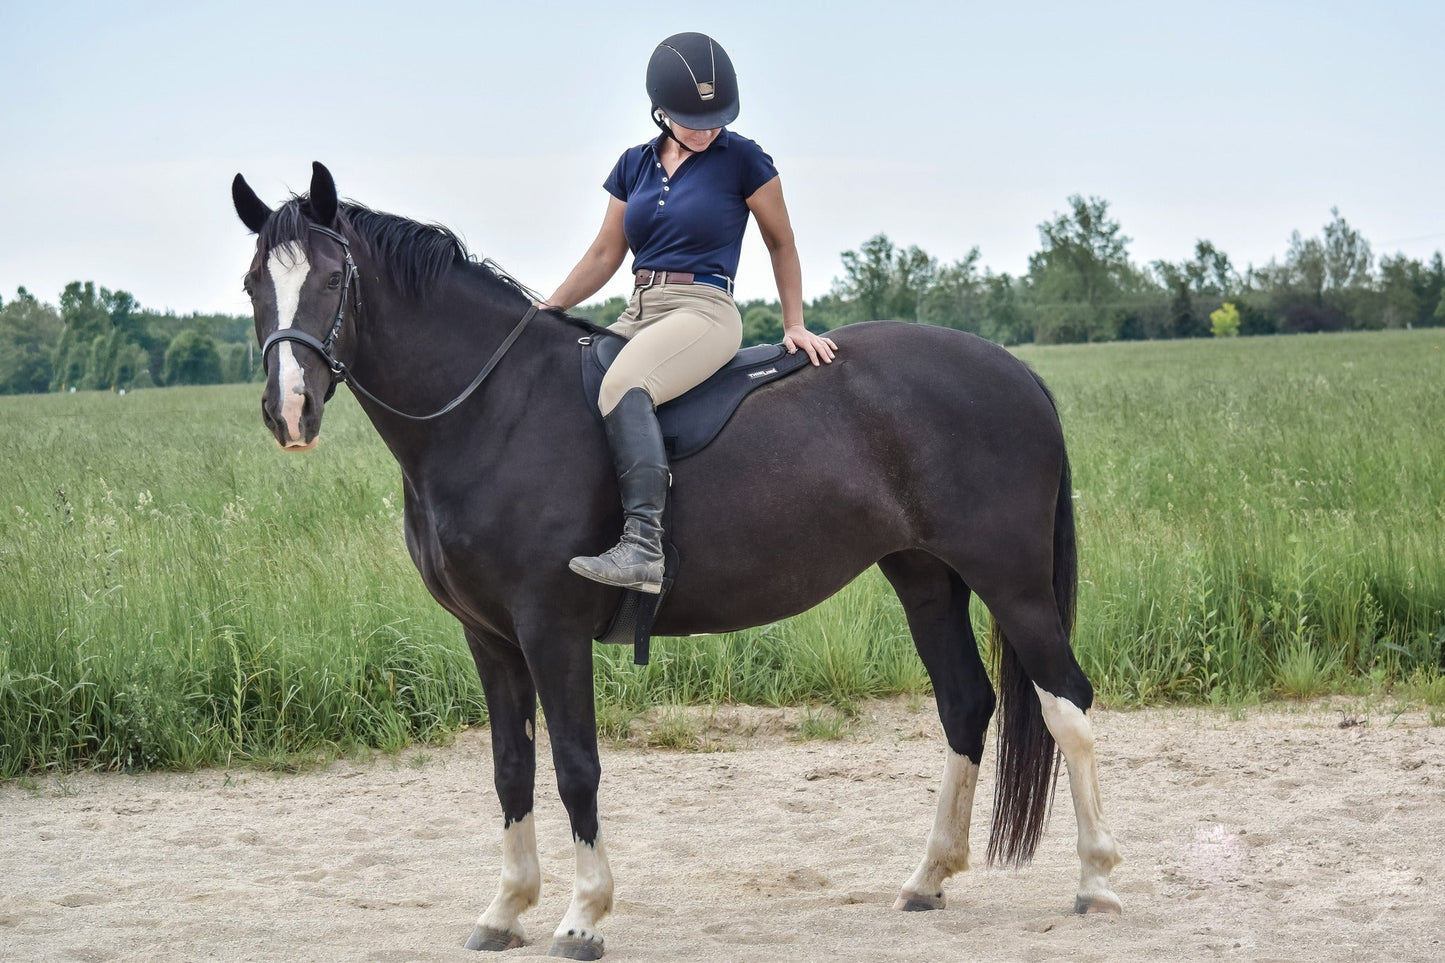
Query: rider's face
[[694, 140]]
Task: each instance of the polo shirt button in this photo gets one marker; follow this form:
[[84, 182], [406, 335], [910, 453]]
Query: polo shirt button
[[667, 188], [664, 180], [659, 165], [660, 203]]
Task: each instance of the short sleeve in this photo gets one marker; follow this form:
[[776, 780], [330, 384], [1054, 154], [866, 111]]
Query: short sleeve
[[757, 168], [619, 182]]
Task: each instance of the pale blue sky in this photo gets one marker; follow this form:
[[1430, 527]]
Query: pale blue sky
[[946, 125]]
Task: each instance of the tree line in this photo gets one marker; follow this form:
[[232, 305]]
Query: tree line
[[1081, 285], [102, 339]]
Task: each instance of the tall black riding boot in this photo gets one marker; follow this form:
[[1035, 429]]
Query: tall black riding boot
[[640, 458]]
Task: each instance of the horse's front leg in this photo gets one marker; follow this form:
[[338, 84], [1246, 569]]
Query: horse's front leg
[[512, 708], [565, 687]]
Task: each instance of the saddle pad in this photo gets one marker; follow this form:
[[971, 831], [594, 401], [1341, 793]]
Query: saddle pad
[[691, 422]]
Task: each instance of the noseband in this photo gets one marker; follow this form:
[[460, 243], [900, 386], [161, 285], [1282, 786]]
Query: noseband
[[339, 371]]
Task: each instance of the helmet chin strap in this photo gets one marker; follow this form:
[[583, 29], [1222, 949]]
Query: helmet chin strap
[[662, 126]]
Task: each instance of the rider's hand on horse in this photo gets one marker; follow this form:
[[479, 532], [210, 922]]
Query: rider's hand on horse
[[817, 346]]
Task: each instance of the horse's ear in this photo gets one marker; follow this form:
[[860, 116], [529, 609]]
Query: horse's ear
[[323, 195], [249, 208]]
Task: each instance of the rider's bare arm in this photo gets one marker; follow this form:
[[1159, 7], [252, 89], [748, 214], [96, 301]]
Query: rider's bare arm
[[771, 212]]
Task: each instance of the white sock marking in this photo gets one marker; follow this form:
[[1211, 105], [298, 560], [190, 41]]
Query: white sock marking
[[288, 267], [591, 895], [947, 849], [1098, 853], [521, 881]]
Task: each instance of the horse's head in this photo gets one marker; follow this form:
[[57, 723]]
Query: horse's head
[[298, 284]]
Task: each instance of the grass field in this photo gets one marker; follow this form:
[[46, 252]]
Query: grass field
[[1257, 517]]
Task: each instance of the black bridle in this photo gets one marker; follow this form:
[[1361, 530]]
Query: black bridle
[[338, 369]]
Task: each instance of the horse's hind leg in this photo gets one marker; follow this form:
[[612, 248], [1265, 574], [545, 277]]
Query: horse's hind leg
[[512, 709], [1031, 625], [1098, 853], [935, 600]]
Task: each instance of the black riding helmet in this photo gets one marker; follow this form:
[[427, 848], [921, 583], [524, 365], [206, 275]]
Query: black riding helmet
[[691, 78]]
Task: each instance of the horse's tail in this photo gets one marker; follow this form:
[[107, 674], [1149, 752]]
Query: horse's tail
[[1027, 763]]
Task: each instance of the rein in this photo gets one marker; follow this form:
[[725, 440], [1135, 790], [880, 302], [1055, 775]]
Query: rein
[[338, 369]]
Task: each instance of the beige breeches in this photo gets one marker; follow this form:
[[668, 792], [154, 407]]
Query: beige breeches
[[678, 336]]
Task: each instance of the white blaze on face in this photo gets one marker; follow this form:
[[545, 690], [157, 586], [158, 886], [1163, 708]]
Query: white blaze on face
[[288, 267]]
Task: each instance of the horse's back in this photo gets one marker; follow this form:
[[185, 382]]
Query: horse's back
[[911, 437]]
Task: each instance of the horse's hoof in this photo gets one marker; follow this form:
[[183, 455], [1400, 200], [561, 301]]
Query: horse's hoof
[[576, 948], [1105, 902], [911, 902], [490, 938]]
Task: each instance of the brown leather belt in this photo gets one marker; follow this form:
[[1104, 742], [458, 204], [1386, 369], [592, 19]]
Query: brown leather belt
[[646, 278]]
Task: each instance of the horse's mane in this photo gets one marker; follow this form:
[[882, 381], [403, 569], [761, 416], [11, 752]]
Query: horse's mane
[[414, 255]]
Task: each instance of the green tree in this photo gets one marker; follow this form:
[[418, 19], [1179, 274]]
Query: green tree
[[85, 319], [868, 278], [192, 359], [762, 325], [132, 368], [29, 333], [881, 280], [1305, 266], [1081, 274], [827, 312], [1183, 317], [955, 299], [1434, 292], [915, 274], [237, 362], [1194, 286], [1006, 319], [601, 312], [1404, 285], [1347, 256], [1225, 321], [1325, 283]]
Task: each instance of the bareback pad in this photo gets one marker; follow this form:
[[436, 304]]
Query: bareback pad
[[692, 421], [689, 423]]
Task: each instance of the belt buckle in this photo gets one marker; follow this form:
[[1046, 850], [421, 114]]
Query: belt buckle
[[652, 279]]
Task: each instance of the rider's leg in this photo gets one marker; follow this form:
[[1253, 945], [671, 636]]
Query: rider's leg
[[684, 336]]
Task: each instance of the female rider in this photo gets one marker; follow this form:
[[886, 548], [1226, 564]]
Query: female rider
[[680, 203]]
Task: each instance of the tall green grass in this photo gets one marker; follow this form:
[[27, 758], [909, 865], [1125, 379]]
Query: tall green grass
[[1251, 507], [1256, 516]]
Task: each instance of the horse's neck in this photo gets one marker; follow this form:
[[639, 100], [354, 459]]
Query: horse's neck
[[419, 355]]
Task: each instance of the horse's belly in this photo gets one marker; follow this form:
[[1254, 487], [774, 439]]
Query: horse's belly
[[767, 556]]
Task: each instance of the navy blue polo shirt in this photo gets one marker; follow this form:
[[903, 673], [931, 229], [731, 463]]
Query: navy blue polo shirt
[[694, 220]]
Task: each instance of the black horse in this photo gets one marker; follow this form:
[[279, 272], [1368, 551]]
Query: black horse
[[934, 454]]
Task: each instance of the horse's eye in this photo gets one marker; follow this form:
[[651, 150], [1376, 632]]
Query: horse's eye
[[334, 282]]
